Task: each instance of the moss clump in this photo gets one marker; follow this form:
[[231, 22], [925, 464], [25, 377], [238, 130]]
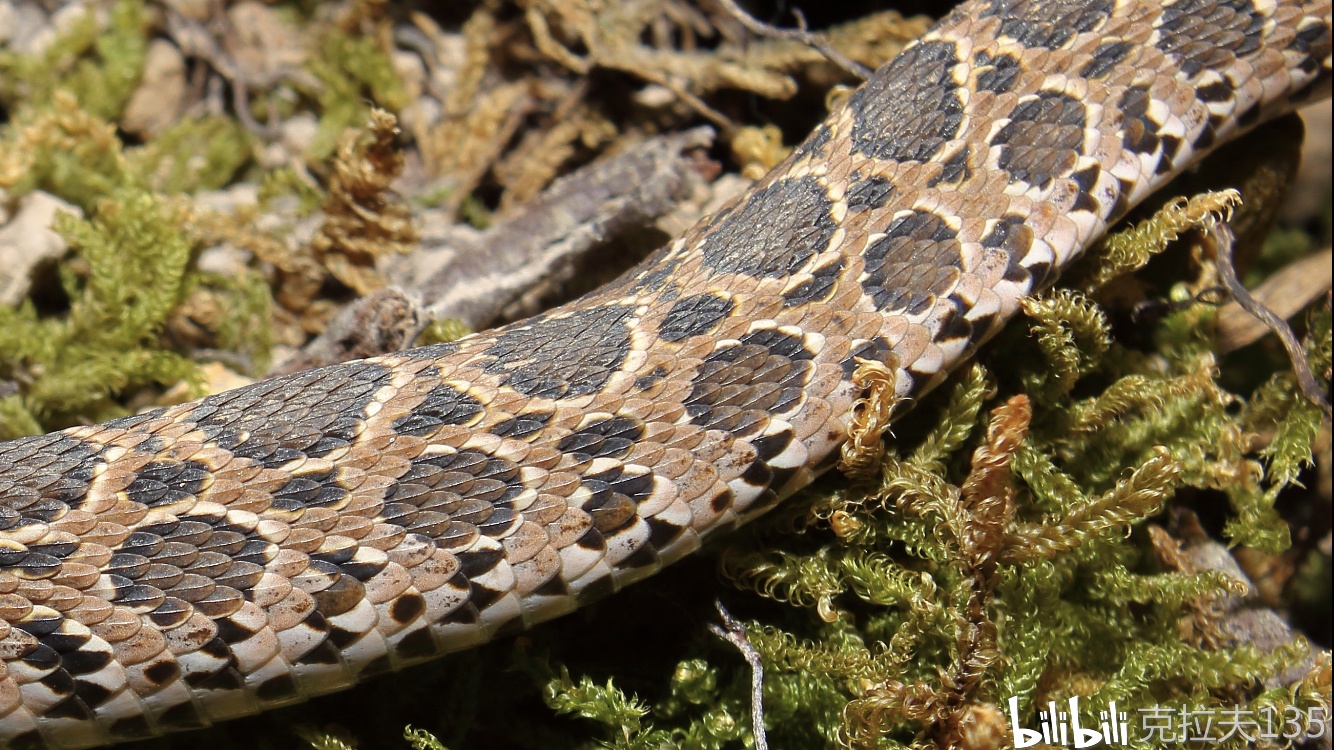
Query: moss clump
[[77, 356], [130, 275], [355, 74], [193, 155], [100, 68]]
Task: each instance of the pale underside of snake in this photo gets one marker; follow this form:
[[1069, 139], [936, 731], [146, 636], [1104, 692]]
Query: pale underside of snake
[[283, 540]]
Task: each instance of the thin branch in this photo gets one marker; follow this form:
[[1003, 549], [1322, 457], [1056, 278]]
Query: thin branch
[[734, 633], [1290, 289], [799, 34], [1221, 235]]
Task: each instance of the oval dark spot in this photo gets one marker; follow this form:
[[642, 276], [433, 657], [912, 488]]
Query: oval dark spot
[[1209, 34], [910, 107], [407, 608], [1106, 58], [443, 405], [694, 315], [1139, 132], [818, 287], [737, 387], [41, 476], [915, 262], [996, 74], [309, 490], [869, 193], [1043, 139], [773, 233], [166, 482], [521, 425], [277, 421], [562, 357], [611, 438], [1048, 23]]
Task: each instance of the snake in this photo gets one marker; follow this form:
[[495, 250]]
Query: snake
[[253, 548]]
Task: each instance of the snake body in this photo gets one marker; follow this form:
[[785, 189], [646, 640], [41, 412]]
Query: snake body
[[257, 547]]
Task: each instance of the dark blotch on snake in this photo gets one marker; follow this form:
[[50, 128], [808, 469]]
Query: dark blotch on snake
[[910, 107], [773, 233], [1209, 34], [694, 315], [1048, 24], [917, 260], [1043, 139], [536, 358], [443, 405]]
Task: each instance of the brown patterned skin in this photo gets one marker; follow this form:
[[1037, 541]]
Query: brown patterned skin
[[261, 546]]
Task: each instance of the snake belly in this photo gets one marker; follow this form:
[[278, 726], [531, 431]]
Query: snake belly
[[257, 547]]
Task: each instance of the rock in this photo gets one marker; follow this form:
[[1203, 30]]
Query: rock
[[158, 100], [26, 30], [298, 131], [195, 10], [8, 18], [411, 71], [26, 241], [265, 47]]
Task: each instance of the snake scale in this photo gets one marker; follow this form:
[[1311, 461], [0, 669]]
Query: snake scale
[[283, 540]]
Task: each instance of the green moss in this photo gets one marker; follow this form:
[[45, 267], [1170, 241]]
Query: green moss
[[100, 69], [286, 182], [131, 276], [63, 150], [193, 155], [244, 329], [356, 75], [442, 331]]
